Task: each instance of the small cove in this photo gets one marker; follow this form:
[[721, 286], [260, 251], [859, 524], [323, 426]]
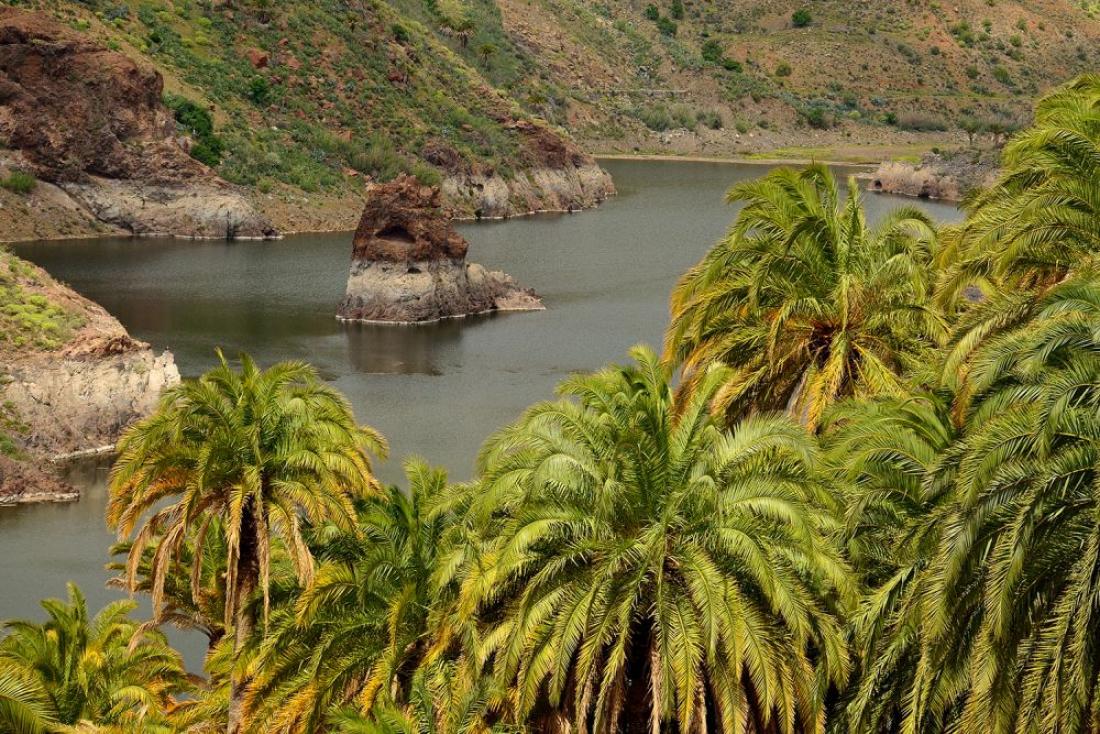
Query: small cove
[[436, 390]]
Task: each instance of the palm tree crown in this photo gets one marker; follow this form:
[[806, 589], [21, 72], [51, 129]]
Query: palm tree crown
[[650, 568], [1041, 219], [106, 670], [804, 300], [260, 452]]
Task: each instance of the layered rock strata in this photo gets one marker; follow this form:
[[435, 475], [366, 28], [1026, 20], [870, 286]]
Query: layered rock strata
[[409, 264], [71, 399]]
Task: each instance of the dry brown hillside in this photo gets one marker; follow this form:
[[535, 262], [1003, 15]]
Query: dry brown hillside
[[658, 76]]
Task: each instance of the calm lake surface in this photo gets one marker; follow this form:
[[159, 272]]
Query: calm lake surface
[[438, 390]]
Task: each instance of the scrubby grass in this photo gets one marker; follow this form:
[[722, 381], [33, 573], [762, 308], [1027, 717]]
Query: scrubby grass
[[29, 319], [19, 182], [360, 89]]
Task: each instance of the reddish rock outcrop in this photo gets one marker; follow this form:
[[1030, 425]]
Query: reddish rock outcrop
[[409, 264], [92, 121], [405, 220], [74, 108]]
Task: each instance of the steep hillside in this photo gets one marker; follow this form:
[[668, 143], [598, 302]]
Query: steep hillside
[[302, 102], [759, 76], [293, 98]]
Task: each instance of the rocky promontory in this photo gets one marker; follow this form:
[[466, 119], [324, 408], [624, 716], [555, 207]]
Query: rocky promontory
[[90, 124], [71, 379], [945, 176], [409, 264], [552, 174]]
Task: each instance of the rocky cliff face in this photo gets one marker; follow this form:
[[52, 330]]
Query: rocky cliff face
[[409, 264], [552, 175], [71, 381], [92, 122]]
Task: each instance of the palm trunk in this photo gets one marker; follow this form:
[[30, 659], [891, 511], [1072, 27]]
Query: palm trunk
[[248, 576]]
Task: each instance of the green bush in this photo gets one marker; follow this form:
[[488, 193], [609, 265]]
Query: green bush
[[207, 147], [732, 65], [712, 52], [677, 9], [655, 118], [709, 118], [19, 182], [784, 69], [682, 116], [801, 18], [818, 118], [259, 91], [666, 26], [651, 12]]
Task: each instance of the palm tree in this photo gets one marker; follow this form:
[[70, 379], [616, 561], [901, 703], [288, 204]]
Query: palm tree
[[361, 630], [1024, 538], [805, 301], [24, 705], [893, 457], [652, 570], [74, 670], [258, 451], [1042, 217]]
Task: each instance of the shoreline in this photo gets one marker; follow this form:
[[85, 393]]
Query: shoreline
[[863, 170], [777, 161]]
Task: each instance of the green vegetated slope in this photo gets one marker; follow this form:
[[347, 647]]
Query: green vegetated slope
[[615, 67], [30, 319], [312, 94]]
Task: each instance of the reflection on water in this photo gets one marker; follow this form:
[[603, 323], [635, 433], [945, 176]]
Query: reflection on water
[[436, 390], [387, 348]]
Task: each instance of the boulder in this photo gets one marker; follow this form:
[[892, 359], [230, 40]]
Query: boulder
[[409, 264]]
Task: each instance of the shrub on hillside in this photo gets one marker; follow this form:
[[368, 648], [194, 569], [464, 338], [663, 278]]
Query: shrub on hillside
[[784, 69], [801, 18], [19, 182], [651, 12], [709, 118], [818, 118], [666, 26], [655, 118], [918, 122], [207, 147], [712, 52]]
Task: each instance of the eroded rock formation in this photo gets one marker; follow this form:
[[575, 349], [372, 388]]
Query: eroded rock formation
[[71, 399], [552, 174], [92, 122], [408, 263]]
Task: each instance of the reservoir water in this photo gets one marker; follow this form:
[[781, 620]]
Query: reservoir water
[[435, 390]]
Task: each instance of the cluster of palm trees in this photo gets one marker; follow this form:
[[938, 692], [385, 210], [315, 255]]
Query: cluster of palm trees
[[858, 492]]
